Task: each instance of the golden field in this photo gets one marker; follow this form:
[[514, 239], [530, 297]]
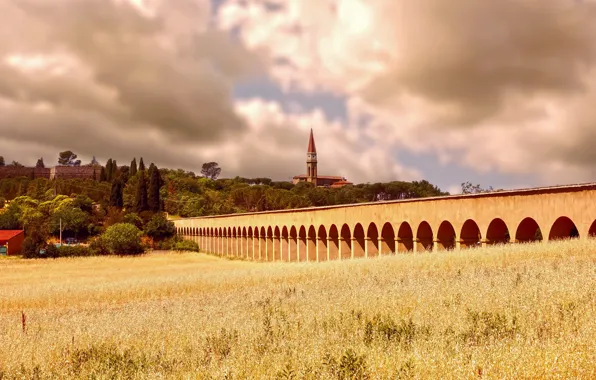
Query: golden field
[[524, 311]]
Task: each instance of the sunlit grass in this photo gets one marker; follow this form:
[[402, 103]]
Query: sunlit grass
[[524, 311]]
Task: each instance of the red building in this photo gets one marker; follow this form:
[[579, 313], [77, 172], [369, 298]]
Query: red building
[[312, 174], [11, 242]]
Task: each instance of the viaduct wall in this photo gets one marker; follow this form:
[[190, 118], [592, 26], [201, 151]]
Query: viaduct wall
[[426, 224]]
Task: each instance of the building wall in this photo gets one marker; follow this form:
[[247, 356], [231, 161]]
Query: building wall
[[64, 172], [365, 230], [14, 245]]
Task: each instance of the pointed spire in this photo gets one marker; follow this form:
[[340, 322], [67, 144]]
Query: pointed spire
[[311, 144]]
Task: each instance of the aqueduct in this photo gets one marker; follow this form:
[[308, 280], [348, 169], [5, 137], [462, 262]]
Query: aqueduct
[[415, 225]]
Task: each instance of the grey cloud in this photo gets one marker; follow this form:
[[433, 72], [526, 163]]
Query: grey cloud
[[175, 77], [470, 55]]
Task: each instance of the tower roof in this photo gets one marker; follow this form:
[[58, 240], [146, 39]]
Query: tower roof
[[311, 144]]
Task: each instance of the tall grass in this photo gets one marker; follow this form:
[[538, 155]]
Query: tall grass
[[525, 311]]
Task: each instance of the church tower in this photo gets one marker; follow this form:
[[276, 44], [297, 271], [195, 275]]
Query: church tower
[[311, 160]]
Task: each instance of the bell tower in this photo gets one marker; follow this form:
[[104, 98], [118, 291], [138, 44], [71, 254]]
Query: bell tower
[[311, 161]]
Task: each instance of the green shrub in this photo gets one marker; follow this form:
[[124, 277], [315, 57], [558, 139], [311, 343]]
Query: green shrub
[[29, 248], [159, 227], [186, 245], [122, 239]]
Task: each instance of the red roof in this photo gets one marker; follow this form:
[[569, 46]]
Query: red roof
[[311, 144], [320, 177], [9, 234]]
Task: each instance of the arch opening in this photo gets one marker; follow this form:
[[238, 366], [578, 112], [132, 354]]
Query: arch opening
[[321, 244], [333, 242], [372, 241], [285, 244], [497, 232], [470, 234], [424, 235], [405, 238], [358, 241], [293, 244], [345, 242], [269, 247], [387, 246], [528, 231], [302, 243], [446, 237], [563, 228], [312, 244]]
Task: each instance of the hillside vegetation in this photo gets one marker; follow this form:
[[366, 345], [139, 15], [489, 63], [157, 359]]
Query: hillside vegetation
[[523, 311]]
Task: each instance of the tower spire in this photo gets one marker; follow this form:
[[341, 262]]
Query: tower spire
[[311, 144], [311, 160]]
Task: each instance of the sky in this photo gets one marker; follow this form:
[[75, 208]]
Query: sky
[[500, 93]]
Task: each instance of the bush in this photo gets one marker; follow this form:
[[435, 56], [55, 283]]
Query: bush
[[29, 248], [159, 227], [122, 239], [68, 251], [186, 245]]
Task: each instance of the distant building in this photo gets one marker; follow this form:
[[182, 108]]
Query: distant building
[[11, 242], [312, 175], [61, 172]]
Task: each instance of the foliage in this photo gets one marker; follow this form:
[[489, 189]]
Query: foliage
[[159, 227], [68, 158], [140, 204], [155, 183], [468, 188], [122, 239], [40, 163], [186, 245], [2, 162], [211, 170]]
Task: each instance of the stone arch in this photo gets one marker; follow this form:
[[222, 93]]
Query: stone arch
[[592, 230], [358, 241], [405, 237], [387, 244], [446, 236], [345, 242], [233, 244], [250, 243], [321, 243], [528, 230], [497, 232], [269, 248], [333, 241], [563, 228], [312, 244], [263, 244], [243, 243], [470, 234], [277, 245], [293, 244], [285, 244], [424, 235], [372, 240], [302, 243]]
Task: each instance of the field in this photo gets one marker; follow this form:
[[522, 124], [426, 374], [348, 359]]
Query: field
[[525, 311]]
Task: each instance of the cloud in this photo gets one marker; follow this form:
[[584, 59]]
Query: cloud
[[505, 86], [91, 63], [128, 78]]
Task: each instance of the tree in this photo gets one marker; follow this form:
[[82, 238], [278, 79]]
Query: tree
[[153, 198], [141, 194], [159, 227], [94, 162], [141, 164], [2, 163], [109, 165], [133, 167], [116, 198], [102, 175], [40, 163], [17, 164], [211, 170], [68, 158], [114, 174], [468, 188], [122, 239]]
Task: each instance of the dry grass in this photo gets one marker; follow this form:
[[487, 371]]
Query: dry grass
[[508, 312]]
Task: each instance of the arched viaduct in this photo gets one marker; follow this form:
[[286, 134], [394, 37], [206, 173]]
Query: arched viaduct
[[415, 225]]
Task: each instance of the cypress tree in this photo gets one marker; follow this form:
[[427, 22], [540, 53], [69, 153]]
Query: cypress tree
[[116, 198], [141, 195], [141, 164], [153, 200], [102, 175], [109, 165], [133, 167]]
